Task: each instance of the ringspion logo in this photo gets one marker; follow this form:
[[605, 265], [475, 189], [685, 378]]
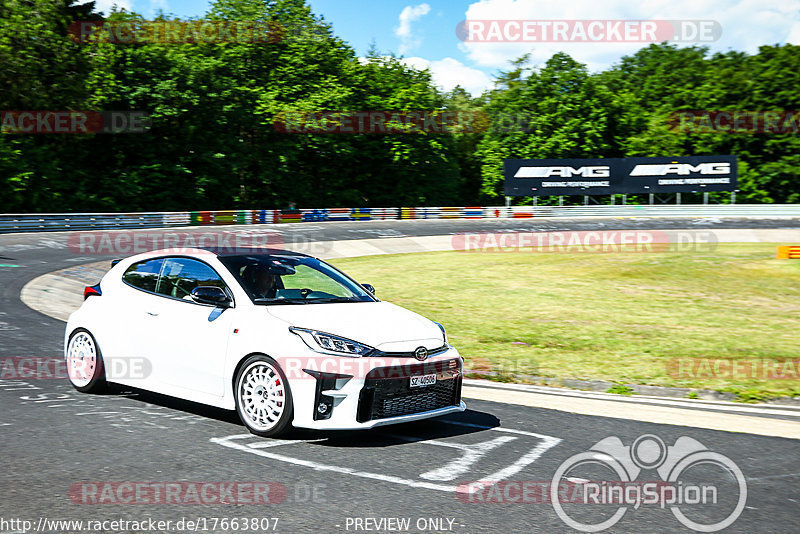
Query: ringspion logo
[[704, 490]]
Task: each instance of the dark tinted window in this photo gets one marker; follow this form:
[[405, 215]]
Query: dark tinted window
[[181, 275], [144, 274]]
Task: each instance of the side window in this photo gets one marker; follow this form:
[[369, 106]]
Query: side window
[[181, 275], [144, 275]]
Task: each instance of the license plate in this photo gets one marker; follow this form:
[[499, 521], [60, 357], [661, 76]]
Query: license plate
[[423, 380]]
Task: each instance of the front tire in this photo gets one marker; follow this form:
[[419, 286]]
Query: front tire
[[263, 398], [85, 368]]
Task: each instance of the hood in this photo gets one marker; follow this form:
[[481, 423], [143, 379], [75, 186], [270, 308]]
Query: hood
[[380, 325]]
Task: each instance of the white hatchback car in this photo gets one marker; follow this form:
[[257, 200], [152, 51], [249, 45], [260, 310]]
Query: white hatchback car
[[281, 337]]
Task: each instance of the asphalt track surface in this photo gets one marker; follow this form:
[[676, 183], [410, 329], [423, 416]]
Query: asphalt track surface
[[52, 437]]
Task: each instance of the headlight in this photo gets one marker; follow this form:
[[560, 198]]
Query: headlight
[[444, 334], [330, 344]]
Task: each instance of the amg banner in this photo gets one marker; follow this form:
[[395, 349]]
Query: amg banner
[[540, 177]]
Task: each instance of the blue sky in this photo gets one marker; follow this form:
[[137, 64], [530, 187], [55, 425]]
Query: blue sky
[[424, 32]]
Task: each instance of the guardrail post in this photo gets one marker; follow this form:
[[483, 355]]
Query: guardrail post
[[678, 199], [733, 197], [651, 199]]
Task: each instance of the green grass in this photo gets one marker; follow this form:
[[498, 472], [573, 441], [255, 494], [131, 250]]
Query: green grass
[[620, 317], [620, 389]]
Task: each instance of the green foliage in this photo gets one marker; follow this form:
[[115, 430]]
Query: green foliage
[[558, 111], [752, 396], [626, 111], [620, 389]]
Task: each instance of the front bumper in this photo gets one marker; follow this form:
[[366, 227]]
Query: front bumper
[[417, 416], [377, 393]]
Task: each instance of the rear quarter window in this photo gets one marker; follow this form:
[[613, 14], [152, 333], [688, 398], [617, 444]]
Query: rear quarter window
[[143, 275]]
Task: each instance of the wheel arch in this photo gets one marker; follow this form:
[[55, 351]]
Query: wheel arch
[[240, 364]]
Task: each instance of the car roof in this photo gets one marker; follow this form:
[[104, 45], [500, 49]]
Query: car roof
[[218, 252], [252, 251], [228, 251]]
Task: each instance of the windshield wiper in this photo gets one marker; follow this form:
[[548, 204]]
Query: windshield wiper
[[332, 299], [280, 301], [321, 300]]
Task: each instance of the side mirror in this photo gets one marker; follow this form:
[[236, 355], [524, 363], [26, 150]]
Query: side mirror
[[369, 288], [211, 295]]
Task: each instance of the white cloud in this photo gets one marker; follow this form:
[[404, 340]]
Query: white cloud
[[105, 5], [449, 72], [794, 34], [746, 24], [403, 30]]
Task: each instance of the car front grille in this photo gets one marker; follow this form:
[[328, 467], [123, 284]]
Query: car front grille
[[431, 352], [387, 391]]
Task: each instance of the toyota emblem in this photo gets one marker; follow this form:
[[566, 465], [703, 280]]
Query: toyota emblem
[[421, 354]]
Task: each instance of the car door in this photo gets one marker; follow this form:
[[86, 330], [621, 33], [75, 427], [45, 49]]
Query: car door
[[191, 339], [132, 334]]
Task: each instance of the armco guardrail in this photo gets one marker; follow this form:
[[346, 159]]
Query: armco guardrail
[[44, 222]]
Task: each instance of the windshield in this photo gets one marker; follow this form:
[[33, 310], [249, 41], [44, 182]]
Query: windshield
[[277, 279]]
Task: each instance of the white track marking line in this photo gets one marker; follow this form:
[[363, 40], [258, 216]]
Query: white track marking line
[[279, 443], [459, 466], [519, 465], [547, 443], [226, 442]]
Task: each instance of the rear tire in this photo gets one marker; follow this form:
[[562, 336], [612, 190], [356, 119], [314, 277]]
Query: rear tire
[[263, 398], [85, 368]]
